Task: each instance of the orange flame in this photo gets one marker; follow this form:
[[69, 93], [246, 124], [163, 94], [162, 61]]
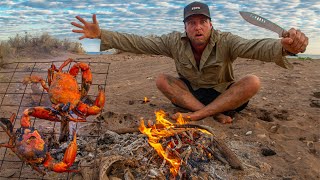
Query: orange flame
[[155, 135], [180, 119], [145, 100]]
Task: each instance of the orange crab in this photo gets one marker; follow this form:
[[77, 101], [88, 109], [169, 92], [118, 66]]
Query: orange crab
[[65, 94], [28, 145]]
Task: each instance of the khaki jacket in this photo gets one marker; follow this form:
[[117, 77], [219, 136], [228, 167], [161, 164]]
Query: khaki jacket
[[215, 69]]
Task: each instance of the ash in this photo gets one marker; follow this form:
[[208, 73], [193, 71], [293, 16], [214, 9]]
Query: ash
[[129, 156]]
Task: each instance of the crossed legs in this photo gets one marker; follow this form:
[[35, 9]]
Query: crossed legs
[[178, 93]]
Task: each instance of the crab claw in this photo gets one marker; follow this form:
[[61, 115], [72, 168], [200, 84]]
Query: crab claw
[[38, 112], [8, 123], [68, 159], [84, 110], [7, 126]]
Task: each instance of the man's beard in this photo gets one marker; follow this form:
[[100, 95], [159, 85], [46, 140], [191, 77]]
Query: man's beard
[[198, 42]]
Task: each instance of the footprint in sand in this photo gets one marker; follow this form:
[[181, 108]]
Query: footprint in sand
[[264, 115], [271, 115], [315, 102], [120, 123], [316, 95]]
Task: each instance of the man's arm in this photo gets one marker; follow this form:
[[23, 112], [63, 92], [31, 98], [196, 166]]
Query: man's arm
[[269, 50], [126, 42], [158, 45]]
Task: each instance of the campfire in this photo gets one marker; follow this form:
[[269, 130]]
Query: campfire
[[185, 146], [164, 150]]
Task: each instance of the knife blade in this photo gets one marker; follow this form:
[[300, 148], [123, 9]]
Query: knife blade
[[264, 23]]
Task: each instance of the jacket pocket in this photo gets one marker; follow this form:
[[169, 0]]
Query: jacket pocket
[[186, 69], [210, 74]]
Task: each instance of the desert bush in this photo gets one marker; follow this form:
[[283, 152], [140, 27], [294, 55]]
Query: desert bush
[[77, 48], [66, 44], [32, 46], [304, 58], [16, 42], [5, 50]]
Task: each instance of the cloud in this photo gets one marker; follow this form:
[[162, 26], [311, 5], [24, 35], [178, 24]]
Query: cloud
[[154, 16], [167, 5], [42, 4], [7, 3], [30, 12]]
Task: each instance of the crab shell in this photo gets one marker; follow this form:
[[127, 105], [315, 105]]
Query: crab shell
[[63, 89], [30, 145]]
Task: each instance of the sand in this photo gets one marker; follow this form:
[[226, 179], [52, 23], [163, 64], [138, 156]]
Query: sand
[[284, 116]]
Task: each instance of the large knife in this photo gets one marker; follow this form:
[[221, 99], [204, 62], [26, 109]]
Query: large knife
[[265, 23]]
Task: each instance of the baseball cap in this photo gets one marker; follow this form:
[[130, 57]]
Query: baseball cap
[[196, 8]]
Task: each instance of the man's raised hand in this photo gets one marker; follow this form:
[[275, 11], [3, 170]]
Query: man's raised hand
[[88, 29]]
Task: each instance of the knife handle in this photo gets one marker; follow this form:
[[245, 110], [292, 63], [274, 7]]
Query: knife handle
[[290, 53], [286, 34]]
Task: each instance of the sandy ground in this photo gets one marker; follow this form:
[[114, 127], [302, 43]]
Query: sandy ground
[[284, 116]]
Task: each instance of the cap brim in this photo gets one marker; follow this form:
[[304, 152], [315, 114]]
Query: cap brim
[[184, 20]]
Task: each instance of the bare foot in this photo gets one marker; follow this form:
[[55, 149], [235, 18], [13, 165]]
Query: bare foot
[[223, 118], [185, 116]]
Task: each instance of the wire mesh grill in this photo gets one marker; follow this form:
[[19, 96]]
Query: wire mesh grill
[[15, 97]]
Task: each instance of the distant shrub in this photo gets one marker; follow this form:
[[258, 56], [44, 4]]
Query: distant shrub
[[35, 46], [5, 51], [304, 58]]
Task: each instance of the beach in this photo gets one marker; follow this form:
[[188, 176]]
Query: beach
[[283, 117]]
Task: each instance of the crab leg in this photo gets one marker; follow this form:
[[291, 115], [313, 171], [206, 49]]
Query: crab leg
[[83, 109], [86, 76], [36, 79], [38, 112], [65, 63], [7, 145], [51, 71], [68, 159]]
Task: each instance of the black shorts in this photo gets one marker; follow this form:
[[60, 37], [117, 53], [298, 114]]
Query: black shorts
[[207, 95]]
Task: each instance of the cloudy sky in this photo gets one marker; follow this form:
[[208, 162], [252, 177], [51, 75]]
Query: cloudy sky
[[144, 17]]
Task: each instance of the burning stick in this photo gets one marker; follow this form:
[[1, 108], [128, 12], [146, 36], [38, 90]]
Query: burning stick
[[179, 142], [186, 134], [188, 153]]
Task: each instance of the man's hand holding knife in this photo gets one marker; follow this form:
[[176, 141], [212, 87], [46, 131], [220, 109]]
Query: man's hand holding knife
[[293, 42], [296, 41]]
